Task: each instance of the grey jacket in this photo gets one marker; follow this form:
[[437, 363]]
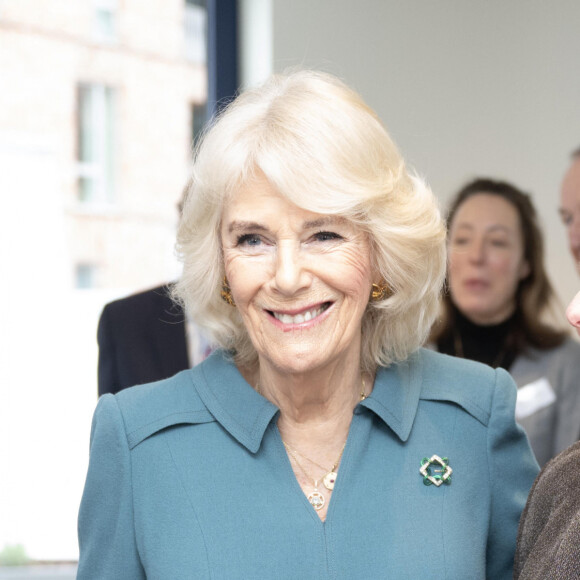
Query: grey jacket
[[548, 403]]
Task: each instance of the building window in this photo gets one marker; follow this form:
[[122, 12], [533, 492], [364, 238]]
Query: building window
[[196, 31], [198, 118], [86, 276], [105, 20], [96, 140]]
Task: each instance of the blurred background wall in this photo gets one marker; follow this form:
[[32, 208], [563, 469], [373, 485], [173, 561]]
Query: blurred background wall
[[465, 88], [100, 101]]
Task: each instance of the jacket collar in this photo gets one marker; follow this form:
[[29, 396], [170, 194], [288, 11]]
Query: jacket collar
[[246, 415], [232, 401], [395, 396]]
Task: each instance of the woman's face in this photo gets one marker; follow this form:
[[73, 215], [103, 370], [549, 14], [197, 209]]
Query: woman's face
[[573, 312], [486, 258], [300, 280]]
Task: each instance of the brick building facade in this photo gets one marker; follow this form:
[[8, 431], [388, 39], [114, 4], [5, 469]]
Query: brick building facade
[[97, 102], [108, 87]]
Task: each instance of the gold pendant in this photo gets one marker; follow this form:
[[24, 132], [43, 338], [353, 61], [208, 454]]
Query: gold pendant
[[329, 480], [316, 500]]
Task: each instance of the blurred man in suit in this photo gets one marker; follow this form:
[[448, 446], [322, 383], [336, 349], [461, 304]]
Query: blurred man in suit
[[570, 206], [146, 337], [143, 338]]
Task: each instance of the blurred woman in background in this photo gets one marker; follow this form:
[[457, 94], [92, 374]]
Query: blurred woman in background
[[496, 308]]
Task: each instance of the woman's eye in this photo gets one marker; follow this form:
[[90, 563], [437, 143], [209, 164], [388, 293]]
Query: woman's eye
[[459, 241], [249, 240], [327, 236]]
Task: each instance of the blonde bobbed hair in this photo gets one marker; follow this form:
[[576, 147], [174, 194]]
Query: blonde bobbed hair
[[319, 145]]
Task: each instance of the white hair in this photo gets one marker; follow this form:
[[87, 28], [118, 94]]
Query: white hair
[[319, 145]]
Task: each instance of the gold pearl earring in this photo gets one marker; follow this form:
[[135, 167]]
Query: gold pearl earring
[[380, 291], [226, 293]]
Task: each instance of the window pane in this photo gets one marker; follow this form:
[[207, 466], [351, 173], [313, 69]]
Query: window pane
[[199, 114], [96, 138], [196, 33], [62, 165], [104, 20], [85, 276], [86, 114], [109, 144], [104, 25]]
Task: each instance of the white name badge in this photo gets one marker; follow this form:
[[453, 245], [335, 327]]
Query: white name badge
[[533, 397]]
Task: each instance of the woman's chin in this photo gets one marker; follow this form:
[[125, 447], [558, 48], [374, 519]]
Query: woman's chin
[[292, 363], [297, 361]]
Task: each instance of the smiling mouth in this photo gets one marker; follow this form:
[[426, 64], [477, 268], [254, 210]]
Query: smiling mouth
[[305, 316]]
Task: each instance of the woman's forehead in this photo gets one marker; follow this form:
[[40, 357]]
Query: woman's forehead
[[486, 211], [258, 189], [259, 200]]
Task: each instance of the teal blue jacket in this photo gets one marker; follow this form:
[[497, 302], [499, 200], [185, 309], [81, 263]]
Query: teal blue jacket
[[188, 478]]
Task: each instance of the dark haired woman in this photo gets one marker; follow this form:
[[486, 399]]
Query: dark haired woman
[[496, 307]]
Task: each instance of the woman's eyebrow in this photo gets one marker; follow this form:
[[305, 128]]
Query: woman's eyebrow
[[500, 228], [323, 221], [239, 226], [491, 229], [463, 226]]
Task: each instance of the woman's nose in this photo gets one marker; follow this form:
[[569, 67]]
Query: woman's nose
[[476, 251], [573, 311], [290, 275]]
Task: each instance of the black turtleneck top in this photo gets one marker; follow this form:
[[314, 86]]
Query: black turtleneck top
[[492, 345]]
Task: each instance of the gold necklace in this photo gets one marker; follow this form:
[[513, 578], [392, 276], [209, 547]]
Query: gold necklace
[[316, 499], [330, 478]]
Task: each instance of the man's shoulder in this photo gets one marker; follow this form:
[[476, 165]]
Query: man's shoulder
[[569, 348], [143, 299], [560, 360], [143, 309], [564, 465]]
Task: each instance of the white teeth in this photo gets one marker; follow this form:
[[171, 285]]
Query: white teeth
[[299, 318]]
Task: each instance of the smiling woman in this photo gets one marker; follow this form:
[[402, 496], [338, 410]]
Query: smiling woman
[[312, 443], [286, 134], [301, 291]]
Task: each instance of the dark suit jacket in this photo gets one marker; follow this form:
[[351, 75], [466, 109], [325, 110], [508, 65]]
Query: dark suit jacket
[[141, 339]]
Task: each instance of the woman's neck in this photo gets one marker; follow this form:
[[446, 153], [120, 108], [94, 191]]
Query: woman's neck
[[491, 344], [468, 323], [316, 409], [313, 405]]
